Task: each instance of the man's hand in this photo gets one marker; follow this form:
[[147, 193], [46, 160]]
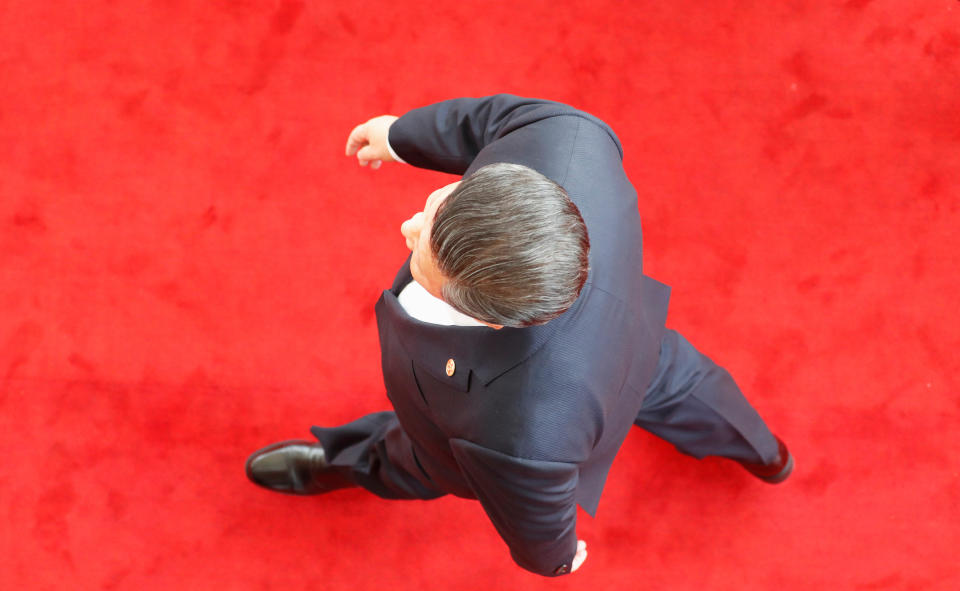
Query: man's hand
[[369, 141], [580, 556]]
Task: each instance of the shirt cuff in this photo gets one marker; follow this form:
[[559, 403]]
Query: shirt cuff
[[392, 153]]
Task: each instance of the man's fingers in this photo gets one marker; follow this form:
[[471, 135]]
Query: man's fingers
[[368, 155], [368, 141], [357, 139]]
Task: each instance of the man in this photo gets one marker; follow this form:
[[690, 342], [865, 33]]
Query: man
[[521, 340]]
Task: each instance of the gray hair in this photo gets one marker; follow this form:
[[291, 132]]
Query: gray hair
[[512, 246]]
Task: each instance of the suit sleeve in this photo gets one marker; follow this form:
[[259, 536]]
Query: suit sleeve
[[447, 136], [530, 502]]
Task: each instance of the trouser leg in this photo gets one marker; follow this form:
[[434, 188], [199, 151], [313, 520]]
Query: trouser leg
[[377, 455], [694, 404]]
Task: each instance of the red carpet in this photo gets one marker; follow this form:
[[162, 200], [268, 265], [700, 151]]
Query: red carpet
[[188, 267]]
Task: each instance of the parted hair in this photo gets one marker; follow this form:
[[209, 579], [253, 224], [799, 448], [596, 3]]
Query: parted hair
[[512, 246]]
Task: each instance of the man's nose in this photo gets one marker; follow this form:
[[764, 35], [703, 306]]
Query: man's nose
[[411, 228]]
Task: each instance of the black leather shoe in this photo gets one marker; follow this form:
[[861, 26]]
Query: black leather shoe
[[295, 467], [778, 470]]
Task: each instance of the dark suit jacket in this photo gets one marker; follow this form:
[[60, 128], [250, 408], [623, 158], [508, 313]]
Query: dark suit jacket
[[531, 419]]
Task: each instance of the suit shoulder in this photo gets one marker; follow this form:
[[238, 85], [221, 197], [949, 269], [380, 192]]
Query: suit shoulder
[[554, 111]]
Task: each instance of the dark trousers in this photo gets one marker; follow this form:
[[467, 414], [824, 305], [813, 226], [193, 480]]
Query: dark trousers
[[691, 402], [694, 404]]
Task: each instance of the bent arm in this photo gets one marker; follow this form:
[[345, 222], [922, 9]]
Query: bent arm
[[447, 136], [530, 502]]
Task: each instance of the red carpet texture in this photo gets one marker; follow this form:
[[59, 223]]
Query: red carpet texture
[[189, 264]]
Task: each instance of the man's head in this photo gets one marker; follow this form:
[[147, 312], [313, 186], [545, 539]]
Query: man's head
[[505, 246]]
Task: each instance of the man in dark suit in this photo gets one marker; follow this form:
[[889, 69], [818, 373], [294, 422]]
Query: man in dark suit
[[521, 340]]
